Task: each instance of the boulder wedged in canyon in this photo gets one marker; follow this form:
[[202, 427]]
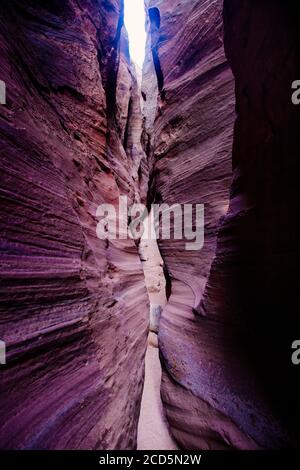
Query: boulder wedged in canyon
[[74, 309], [226, 333]]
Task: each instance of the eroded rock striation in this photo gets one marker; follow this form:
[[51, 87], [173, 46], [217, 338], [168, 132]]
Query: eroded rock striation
[[74, 309], [191, 145], [226, 332]]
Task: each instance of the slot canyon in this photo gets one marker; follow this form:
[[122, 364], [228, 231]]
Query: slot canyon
[[125, 344]]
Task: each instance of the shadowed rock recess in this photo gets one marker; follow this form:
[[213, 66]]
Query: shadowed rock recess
[[217, 127]]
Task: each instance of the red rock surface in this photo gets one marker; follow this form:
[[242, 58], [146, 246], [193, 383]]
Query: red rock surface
[[74, 309], [226, 333]]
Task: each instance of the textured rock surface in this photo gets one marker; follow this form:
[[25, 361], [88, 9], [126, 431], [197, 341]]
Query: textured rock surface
[[225, 335], [253, 282], [193, 127], [192, 145], [74, 309]]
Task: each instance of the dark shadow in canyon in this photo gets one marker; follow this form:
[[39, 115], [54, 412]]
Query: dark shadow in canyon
[[258, 275], [154, 17]]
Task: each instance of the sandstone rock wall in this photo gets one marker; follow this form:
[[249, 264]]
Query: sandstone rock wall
[[74, 309], [226, 333], [253, 282], [192, 145]]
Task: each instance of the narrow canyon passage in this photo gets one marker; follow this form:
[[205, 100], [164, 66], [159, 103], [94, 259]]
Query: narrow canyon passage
[[198, 112], [153, 431]]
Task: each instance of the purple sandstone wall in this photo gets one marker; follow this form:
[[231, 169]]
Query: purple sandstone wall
[[74, 310], [226, 333]]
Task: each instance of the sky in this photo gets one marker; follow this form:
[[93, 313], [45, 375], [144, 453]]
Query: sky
[[135, 25]]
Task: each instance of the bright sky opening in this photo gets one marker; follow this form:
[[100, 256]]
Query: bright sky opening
[[135, 25]]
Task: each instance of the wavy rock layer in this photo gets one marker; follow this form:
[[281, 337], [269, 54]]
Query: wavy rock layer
[[192, 146], [226, 332], [73, 308]]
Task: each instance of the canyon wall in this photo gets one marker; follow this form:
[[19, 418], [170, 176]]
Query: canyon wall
[[191, 154], [225, 336], [74, 309]]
